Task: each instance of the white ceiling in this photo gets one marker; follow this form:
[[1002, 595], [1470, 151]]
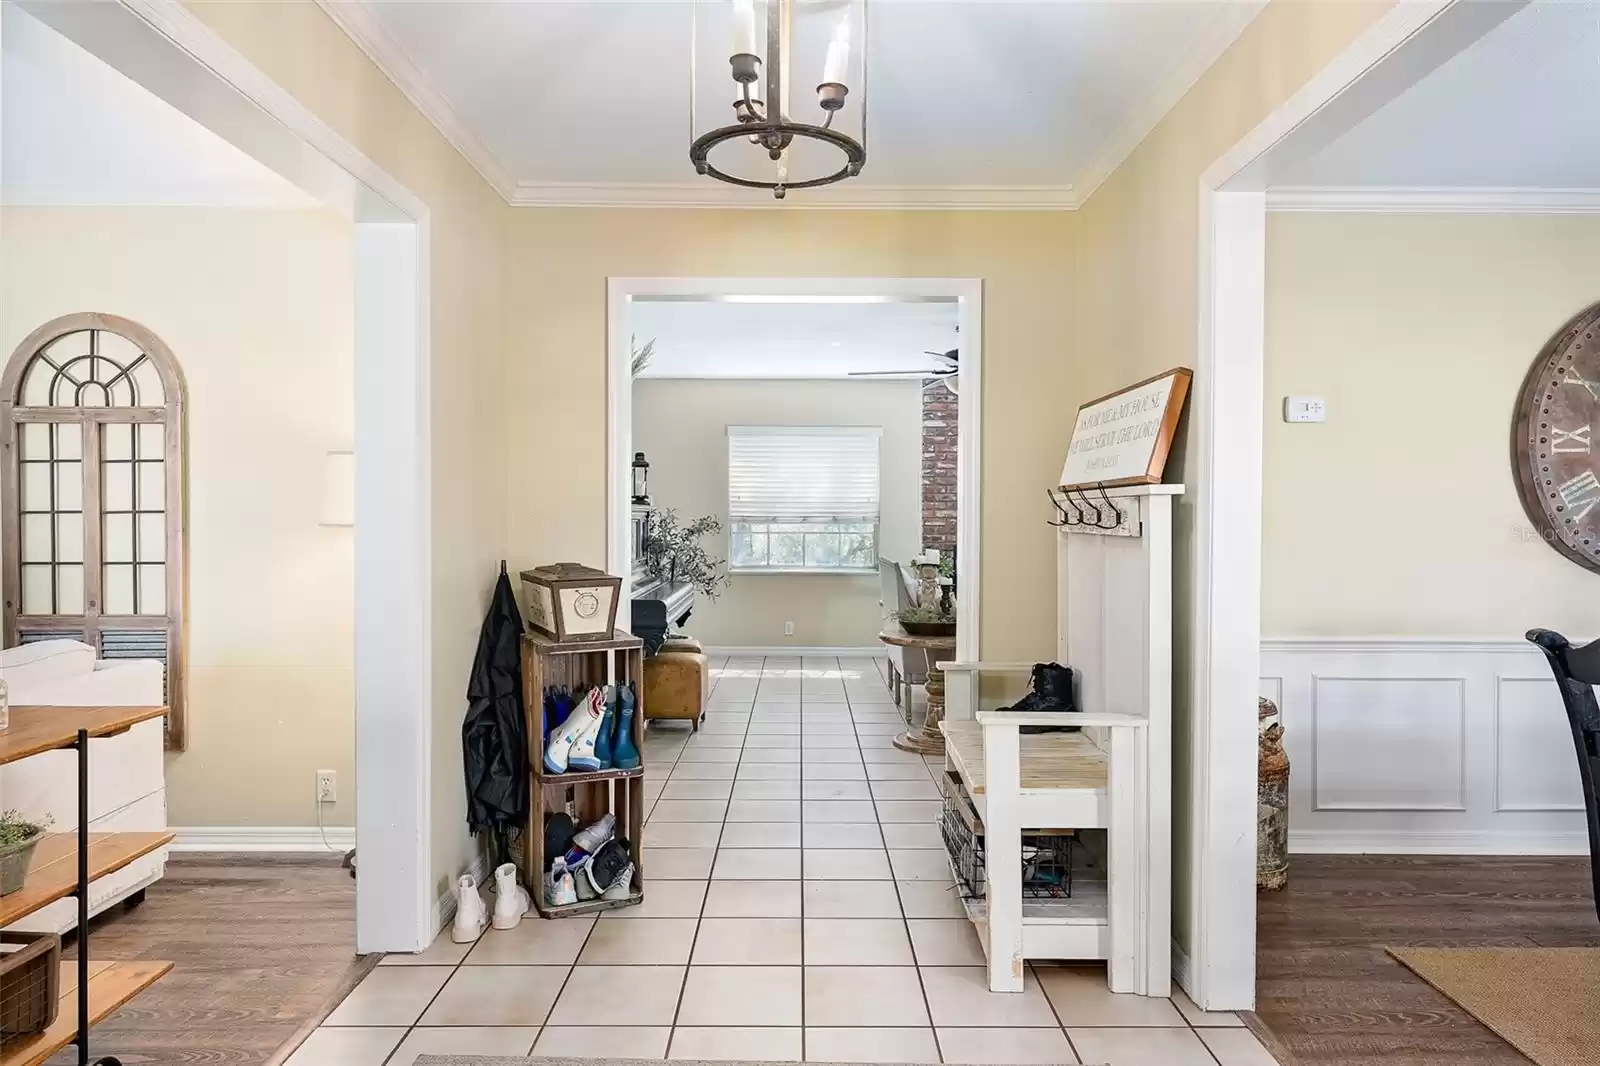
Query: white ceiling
[[717, 339], [1516, 108], [987, 102], [75, 131]]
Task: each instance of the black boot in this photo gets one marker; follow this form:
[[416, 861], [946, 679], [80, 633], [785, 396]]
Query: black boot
[[1049, 690]]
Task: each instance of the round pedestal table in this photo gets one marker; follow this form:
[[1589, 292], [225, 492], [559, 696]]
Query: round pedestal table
[[928, 740]]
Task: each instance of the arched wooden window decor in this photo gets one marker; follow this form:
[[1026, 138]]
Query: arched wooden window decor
[[92, 490]]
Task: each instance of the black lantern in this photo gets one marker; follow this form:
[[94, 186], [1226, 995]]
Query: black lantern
[[641, 480]]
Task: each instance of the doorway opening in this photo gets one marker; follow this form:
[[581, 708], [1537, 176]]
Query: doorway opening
[[368, 470], [808, 419]]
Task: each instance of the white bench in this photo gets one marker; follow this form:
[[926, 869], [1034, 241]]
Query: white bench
[[1096, 779], [1114, 613]]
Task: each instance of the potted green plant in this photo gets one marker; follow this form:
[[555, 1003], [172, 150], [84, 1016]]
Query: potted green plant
[[926, 620], [672, 552], [18, 837]]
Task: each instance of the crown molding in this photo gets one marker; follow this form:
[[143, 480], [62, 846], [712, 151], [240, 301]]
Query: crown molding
[[1212, 43], [1421, 200], [848, 195], [361, 25], [356, 19]]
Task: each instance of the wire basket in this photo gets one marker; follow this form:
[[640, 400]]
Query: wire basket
[[1047, 866], [30, 969], [963, 839], [1047, 858]]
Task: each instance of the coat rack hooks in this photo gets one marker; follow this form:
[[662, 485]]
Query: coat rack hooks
[[1077, 510], [1115, 510]]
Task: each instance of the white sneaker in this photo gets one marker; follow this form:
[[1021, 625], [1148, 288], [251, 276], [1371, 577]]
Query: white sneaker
[[584, 720], [471, 914], [559, 889], [622, 888], [581, 757], [588, 840], [511, 899]]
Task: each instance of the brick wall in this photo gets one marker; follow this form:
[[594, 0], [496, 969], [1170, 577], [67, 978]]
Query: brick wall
[[938, 469]]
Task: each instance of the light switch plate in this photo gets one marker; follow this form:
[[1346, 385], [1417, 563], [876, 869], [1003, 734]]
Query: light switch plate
[[1304, 409]]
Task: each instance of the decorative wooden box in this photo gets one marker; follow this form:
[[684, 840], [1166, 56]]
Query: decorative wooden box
[[572, 602]]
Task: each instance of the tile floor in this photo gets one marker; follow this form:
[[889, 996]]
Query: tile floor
[[797, 906]]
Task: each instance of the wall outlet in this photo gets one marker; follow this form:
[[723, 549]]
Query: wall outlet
[[327, 786], [788, 629], [1304, 409]]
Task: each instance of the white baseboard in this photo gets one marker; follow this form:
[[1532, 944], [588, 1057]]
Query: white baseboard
[[867, 652], [444, 908], [1411, 842], [285, 838]]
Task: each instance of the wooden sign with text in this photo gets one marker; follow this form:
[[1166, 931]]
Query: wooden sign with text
[[1124, 438]]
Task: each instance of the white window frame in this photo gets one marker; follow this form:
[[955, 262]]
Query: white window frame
[[875, 433]]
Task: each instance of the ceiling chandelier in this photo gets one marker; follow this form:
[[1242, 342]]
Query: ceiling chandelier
[[800, 155]]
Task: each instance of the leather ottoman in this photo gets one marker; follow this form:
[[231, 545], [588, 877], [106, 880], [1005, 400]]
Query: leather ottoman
[[675, 685]]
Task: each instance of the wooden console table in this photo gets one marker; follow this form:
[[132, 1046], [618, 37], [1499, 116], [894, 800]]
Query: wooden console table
[[928, 740], [89, 990]]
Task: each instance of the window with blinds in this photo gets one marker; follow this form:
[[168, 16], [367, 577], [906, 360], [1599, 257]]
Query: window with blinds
[[803, 498]]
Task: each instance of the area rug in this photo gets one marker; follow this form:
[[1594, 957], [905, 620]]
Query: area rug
[[1545, 1002]]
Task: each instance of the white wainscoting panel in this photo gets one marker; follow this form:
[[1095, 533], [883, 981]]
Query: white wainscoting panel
[[1536, 767], [1405, 745], [1388, 743]]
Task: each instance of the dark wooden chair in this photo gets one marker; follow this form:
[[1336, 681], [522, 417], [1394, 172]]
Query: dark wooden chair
[[1577, 671]]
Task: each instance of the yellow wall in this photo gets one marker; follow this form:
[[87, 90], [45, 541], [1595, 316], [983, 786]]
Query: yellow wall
[[296, 45], [682, 427], [256, 307], [557, 262], [1371, 518], [1137, 298]]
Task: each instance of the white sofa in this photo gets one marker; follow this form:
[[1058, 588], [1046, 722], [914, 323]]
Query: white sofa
[[127, 784]]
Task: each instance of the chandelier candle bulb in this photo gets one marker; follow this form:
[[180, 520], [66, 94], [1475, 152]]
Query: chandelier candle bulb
[[838, 60], [762, 123], [744, 28]]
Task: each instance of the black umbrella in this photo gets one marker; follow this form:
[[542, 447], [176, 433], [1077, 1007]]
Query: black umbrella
[[494, 739]]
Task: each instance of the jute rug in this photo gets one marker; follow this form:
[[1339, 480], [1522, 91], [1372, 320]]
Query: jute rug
[[1545, 1002]]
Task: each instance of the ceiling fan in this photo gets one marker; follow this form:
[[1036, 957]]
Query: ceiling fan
[[948, 373]]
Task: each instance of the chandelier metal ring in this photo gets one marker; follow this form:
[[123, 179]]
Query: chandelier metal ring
[[759, 65], [700, 152]]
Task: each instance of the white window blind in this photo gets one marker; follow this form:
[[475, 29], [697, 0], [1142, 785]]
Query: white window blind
[[803, 473]]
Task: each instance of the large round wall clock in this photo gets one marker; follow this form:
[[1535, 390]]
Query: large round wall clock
[[1552, 442]]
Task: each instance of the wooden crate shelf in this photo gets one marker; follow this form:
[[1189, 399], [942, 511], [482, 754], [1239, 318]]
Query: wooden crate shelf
[[584, 796]]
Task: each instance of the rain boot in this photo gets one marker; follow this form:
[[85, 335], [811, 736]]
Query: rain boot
[[624, 753], [581, 756], [582, 722], [608, 727]]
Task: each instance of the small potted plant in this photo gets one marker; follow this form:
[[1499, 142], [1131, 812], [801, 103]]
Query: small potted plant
[[672, 552], [18, 837], [926, 620]]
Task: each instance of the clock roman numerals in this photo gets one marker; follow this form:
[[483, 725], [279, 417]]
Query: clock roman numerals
[[1579, 379], [1570, 440], [1582, 490]]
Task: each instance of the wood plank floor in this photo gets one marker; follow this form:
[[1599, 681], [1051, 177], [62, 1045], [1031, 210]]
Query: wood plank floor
[[1328, 995], [259, 943]]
